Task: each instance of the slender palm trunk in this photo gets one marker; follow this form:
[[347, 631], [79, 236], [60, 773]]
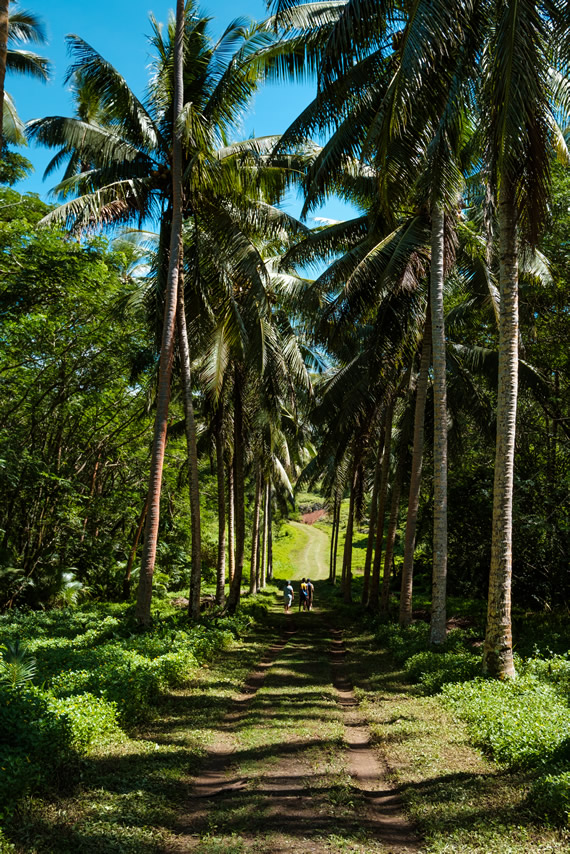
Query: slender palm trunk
[[190, 426], [269, 533], [254, 570], [335, 550], [265, 536], [221, 563], [239, 497], [231, 523], [415, 478], [144, 596], [346, 581], [334, 523], [372, 603], [392, 527], [4, 17], [439, 578], [372, 521], [498, 647]]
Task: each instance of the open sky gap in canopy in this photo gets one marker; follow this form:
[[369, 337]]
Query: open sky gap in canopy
[[118, 30]]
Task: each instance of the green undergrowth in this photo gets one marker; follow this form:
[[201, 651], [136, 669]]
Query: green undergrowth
[[522, 724], [95, 678]]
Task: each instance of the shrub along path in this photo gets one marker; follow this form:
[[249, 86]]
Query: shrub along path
[[292, 769]]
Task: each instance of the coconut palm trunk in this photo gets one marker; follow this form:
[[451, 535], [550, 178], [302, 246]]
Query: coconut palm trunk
[[346, 582], [4, 17], [231, 522], [264, 539], [269, 534], [220, 471], [392, 528], [372, 603], [439, 577], [254, 566], [144, 596], [133, 553], [498, 647], [239, 497], [415, 478], [372, 522], [190, 427]]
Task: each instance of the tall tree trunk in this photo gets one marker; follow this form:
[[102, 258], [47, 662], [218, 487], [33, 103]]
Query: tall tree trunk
[[439, 577], [346, 581], [220, 465], [190, 426], [372, 603], [264, 535], [498, 647], [254, 570], [331, 553], [415, 478], [269, 533], [4, 18], [239, 497], [144, 596], [132, 555], [392, 528], [373, 518], [335, 549], [231, 522]]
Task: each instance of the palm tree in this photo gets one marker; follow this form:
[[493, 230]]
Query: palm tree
[[144, 595], [23, 27]]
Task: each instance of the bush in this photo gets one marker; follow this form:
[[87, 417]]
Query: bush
[[521, 723], [41, 737], [549, 797], [435, 669]]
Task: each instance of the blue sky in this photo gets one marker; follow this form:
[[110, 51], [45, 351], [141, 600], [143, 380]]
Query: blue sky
[[118, 29]]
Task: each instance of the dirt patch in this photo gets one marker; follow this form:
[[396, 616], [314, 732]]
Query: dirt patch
[[314, 516]]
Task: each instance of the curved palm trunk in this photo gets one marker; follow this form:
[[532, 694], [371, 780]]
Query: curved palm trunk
[[144, 596], [498, 647], [231, 523], [415, 479], [221, 562], [239, 498], [372, 522], [4, 16], [439, 578], [190, 426], [372, 603], [254, 567], [392, 528]]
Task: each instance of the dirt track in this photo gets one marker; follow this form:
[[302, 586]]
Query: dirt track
[[293, 769]]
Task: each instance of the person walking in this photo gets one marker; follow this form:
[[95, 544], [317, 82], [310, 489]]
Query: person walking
[[288, 596], [310, 594], [303, 592]]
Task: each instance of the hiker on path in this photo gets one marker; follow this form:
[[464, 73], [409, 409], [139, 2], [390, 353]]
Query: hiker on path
[[310, 594], [288, 595], [303, 595]]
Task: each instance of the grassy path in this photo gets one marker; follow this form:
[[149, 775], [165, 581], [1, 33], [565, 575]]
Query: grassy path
[[306, 551]]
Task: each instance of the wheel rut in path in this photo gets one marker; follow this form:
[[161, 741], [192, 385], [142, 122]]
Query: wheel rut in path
[[385, 810], [292, 769]]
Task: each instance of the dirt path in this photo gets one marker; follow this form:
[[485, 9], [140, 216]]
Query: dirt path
[[293, 769], [312, 559]]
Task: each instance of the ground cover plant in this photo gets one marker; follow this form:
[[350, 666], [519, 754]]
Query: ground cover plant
[[91, 677]]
